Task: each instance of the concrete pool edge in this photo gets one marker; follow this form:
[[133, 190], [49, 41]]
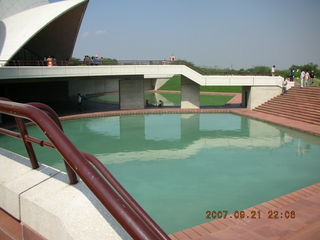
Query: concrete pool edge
[[41, 201], [293, 124], [282, 121]]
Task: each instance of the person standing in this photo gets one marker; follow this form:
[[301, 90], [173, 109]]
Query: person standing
[[311, 77], [302, 75], [50, 61], [79, 100], [307, 79], [273, 70], [291, 74]]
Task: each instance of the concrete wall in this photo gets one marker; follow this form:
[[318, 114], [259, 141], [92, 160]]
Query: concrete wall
[[148, 84], [190, 93], [43, 200], [131, 93], [260, 95], [92, 85], [100, 85]]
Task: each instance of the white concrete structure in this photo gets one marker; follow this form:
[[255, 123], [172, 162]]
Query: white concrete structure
[[260, 85], [148, 71], [34, 28], [43, 200], [190, 93], [131, 93]]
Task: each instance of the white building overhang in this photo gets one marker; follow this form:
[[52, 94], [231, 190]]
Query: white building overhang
[[17, 30]]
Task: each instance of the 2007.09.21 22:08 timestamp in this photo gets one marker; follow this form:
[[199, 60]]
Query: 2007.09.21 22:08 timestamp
[[253, 214]]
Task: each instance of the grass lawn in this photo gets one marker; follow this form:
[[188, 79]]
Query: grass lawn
[[108, 98], [174, 84], [175, 98], [214, 100]]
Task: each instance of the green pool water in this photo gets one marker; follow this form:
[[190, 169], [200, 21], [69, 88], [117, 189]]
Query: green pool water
[[179, 166]]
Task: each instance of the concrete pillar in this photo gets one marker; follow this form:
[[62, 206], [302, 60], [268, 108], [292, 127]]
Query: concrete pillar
[[259, 95], [190, 93], [148, 84], [245, 96], [131, 93]]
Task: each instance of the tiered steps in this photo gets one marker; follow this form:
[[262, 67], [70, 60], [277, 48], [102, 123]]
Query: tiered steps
[[301, 104]]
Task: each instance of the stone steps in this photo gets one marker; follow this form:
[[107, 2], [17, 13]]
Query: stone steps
[[290, 103], [308, 107], [289, 116], [302, 104], [297, 114], [304, 112]]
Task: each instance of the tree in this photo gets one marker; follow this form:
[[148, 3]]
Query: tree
[[75, 62], [109, 61]]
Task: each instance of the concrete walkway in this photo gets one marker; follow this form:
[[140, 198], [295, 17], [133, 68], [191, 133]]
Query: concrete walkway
[[299, 125]]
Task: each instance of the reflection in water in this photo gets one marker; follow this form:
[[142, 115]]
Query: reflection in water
[[191, 163], [223, 122], [170, 127], [179, 136], [99, 126], [302, 148]]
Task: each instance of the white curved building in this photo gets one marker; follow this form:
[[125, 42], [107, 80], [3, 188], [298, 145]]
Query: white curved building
[[33, 29]]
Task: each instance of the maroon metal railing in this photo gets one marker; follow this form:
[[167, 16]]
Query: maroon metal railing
[[100, 181]]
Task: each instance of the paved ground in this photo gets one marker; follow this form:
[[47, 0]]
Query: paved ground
[[295, 216]]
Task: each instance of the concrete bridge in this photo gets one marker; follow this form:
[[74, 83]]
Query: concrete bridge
[[132, 80]]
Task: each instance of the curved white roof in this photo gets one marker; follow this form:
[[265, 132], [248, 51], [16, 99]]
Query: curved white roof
[[11, 7], [16, 30]]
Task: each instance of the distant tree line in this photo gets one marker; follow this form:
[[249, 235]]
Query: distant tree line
[[257, 70]]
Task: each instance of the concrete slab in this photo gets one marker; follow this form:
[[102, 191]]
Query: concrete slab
[[16, 177], [59, 211]]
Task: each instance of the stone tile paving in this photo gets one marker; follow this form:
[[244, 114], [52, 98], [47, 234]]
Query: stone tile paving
[[298, 218]]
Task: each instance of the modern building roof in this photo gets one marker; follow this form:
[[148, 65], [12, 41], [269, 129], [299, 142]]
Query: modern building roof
[[39, 28]]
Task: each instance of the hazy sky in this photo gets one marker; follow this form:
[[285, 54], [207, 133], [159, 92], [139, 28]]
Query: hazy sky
[[222, 33]]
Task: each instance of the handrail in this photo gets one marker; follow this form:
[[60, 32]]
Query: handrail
[[112, 195]]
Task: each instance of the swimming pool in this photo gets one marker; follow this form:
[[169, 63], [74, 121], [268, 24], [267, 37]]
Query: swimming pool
[[178, 166]]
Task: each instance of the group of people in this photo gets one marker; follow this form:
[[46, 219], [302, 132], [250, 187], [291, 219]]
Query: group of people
[[50, 61], [306, 78], [97, 60]]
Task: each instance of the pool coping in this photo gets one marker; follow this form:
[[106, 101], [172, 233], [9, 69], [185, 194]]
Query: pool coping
[[293, 124], [304, 202]]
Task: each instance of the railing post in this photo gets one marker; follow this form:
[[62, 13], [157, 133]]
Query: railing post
[[23, 131], [52, 114]]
